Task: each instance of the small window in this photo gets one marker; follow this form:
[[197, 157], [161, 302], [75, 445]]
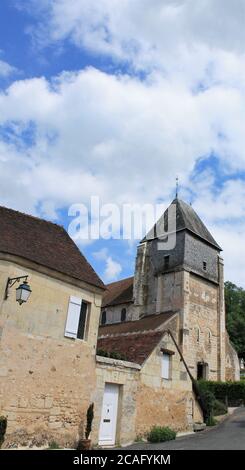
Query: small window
[[123, 314], [166, 366], [166, 262], [77, 319], [198, 335], [103, 318], [82, 321], [204, 265], [209, 337]]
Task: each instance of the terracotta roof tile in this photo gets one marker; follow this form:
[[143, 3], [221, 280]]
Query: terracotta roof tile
[[44, 243], [118, 292], [150, 322], [134, 348]]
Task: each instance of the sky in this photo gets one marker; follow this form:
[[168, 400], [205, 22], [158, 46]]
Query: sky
[[115, 99]]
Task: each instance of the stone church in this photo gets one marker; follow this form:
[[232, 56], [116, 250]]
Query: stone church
[[187, 280], [133, 348]]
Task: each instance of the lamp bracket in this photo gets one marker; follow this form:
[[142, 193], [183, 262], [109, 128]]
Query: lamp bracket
[[10, 283]]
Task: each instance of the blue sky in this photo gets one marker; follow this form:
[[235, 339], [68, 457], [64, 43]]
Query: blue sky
[[114, 99]]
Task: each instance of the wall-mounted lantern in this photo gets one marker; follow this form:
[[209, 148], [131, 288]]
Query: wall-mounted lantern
[[23, 291]]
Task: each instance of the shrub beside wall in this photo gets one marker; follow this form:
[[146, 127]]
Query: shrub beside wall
[[161, 434], [3, 427], [229, 393]]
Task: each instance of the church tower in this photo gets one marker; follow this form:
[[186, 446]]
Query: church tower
[[188, 279]]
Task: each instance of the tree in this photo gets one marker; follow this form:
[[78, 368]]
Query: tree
[[235, 316]]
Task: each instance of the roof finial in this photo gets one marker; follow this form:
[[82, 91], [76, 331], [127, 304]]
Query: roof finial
[[177, 187]]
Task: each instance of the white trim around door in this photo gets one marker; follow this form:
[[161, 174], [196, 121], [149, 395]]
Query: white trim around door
[[108, 424]]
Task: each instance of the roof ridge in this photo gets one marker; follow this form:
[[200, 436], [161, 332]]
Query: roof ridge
[[31, 216], [119, 280]]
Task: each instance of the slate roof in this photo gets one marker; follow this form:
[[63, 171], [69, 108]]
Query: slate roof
[[186, 219], [134, 340], [119, 292], [44, 243]]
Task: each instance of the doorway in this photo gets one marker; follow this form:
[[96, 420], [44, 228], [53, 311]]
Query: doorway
[[108, 424], [202, 371]]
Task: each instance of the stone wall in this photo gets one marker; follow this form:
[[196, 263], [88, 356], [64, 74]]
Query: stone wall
[[146, 399], [165, 402], [127, 376], [46, 380], [113, 313], [201, 325]]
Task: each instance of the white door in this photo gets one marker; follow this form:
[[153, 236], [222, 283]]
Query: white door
[[108, 424]]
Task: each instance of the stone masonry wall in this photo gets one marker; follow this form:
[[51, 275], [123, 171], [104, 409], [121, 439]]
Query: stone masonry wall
[[126, 375], [165, 402], [46, 380], [201, 325], [113, 313]]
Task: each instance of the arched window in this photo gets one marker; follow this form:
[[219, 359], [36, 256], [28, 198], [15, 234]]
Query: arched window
[[198, 335], [209, 337], [103, 318], [123, 314]]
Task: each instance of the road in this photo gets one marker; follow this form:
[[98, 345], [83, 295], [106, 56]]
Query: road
[[230, 435]]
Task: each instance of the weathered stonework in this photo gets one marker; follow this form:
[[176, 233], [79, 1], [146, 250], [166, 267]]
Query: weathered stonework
[[146, 399], [45, 386]]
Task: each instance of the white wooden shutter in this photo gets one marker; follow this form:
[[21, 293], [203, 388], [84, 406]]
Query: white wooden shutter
[[165, 366], [73, 316]]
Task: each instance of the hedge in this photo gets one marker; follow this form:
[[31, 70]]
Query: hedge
[[230, 393]]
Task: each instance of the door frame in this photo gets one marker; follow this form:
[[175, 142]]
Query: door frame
[[102, 442]]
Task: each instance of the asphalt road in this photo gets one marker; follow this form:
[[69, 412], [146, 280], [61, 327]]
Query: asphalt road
[[229, 435]]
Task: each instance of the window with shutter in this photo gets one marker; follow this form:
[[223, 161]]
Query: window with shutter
[[166, 366], [76, 318]]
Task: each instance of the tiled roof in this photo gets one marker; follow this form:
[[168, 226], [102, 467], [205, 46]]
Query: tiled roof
[[134, 348], [134, 340], [118, 292], [150, 322], [44, 243], [186, 219]]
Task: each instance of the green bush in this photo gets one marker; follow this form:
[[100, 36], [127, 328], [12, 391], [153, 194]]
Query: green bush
[[112, 354], [3, 427], [211, 421], [161, 434], [90, 417], [219, 408], [230, 393], [53, 445]]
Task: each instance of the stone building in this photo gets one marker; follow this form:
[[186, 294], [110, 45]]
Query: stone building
[[185, 283], [48, 344], [161, 328]]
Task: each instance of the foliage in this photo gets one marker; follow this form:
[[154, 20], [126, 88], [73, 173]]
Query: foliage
[[90, 417], [229, 393], [112, 354], [235, 316], [161, 434], [208, 401], [3, 427], [219, 408], [53, 445], [211, 421]]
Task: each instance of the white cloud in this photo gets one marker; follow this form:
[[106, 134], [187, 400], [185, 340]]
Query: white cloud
[[123, 138], [101, 255], [112, 270], [6, 69]]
